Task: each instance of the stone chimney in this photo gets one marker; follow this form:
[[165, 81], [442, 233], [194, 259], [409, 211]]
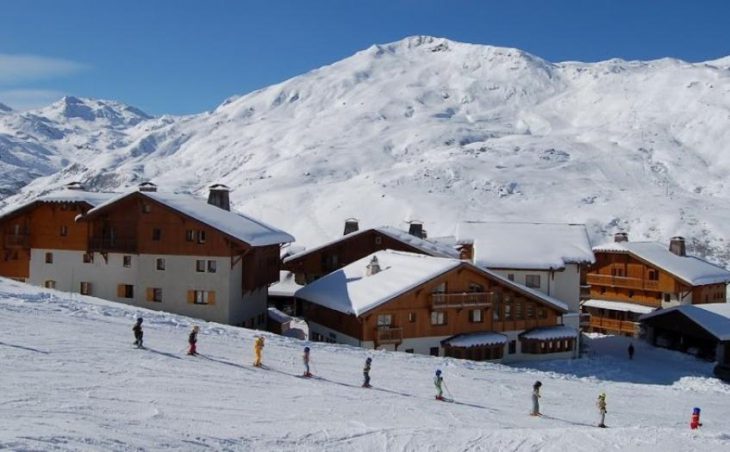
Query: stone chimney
[[351, 225], [621, 237], [373, 267], [676, 246], [219, 196], [75, 186], [415, 228], [147, 186]]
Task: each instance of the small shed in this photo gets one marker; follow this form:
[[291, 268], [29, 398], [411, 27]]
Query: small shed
[[552, 339], [484, 346], [278, 322]]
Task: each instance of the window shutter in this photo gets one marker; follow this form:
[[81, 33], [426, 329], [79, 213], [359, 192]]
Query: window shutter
[[150, 294], [211, 297], [120, 290], [191, 297]]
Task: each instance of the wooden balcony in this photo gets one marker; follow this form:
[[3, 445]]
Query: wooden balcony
[[614, 325], [462, 300], [622, 281], [388, 335], [112, 245], [21, 240]]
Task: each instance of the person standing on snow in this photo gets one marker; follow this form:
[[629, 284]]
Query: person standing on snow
[[536, 399], [602, 408], [138, 333], [438, 381], [305, 359], [258, 349], [192, 340], [694, 422], [366, 372], [631, 350]]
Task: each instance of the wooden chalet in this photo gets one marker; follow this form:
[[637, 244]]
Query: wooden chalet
[[631, 279], [440, 306]]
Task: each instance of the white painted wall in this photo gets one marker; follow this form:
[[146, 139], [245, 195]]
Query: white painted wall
[[563, 285]]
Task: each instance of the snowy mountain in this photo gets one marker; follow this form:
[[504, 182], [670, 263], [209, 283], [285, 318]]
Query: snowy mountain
[[421, 129], [73, 381]]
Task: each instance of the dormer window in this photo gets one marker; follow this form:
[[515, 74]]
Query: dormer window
[[146, 208]]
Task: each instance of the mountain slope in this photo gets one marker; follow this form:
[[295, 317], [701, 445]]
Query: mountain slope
[[439, 131]]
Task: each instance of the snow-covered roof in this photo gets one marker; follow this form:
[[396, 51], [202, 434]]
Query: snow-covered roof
[[713, 317], [532, 246], [278, 316], [286, 287], [66, 196], [618, 306], [475, 339], [692, 270], [236, 225], [349, 291], [550, 332], [425, 246]]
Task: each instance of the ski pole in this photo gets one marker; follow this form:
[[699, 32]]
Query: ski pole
[[447, 391]]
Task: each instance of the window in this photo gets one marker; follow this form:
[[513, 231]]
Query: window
[[433, 351], [518, 311], [385, 320], [201, 236], [476, 288], [378, 240], [157, 295], [631, 294], [603, 290], [511, 276], [64, 231], [160, 263], [50, 284], [211, 266], [530, 310], [495, 312], [508, 312], [532, 281], [127, 261], [88, 258], [189, 235], [85, 288], [146, 208], [653, 275], [667, 297], [156, 234], [204, 297], [512, 349], [438, 318], [475, 316], [542, 313], [200, 266], [49, 258], [412, 317], [125, 291]]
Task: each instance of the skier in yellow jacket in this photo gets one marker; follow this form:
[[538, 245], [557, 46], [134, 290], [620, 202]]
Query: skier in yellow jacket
[[258, 348]]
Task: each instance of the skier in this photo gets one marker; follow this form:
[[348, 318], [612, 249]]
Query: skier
[[536, 399], [137, 328], [631, 350], [305, 358], [438, 381], [366, 372], [258, 348], [192, 340], [602, 408], [694, 422]]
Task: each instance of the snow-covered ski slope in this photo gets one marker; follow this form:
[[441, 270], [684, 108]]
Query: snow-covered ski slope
[[71, 380], [421, 129]]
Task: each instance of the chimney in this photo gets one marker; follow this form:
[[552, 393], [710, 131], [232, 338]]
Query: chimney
[[373, 267], [351, 225], [147, 186], [218, 196], [415, 228], [621, 237], [676, 246], [75, 186]]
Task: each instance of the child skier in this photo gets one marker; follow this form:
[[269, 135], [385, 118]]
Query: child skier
[[366, 372], [137, 328], [438, 381], [536, 399], [694, 422], [305, 358], [602, 408], [258, 348], [192, 340], [631, 351]]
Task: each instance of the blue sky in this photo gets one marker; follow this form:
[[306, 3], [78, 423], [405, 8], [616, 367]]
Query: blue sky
[[184, 56]]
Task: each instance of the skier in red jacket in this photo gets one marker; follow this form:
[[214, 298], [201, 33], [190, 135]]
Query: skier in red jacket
[[694, 422]]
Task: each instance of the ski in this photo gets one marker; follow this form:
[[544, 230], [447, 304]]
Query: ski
[[444, 399]]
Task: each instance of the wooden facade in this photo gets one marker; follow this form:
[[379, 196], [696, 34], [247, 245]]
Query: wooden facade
[[462, 300]]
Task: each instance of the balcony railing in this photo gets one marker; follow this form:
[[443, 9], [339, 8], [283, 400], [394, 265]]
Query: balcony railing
[[615, 326], [389, 335], [462, 300], [106, 244], [622, 281], [17, 240]]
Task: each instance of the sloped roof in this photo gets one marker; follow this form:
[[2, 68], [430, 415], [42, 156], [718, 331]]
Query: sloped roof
[[426, 246], [618, 306], [529, 246], [236, 225], [64, 196], [692, 270], [550, 332], [475, 339], [712, 317], [349, 291]]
